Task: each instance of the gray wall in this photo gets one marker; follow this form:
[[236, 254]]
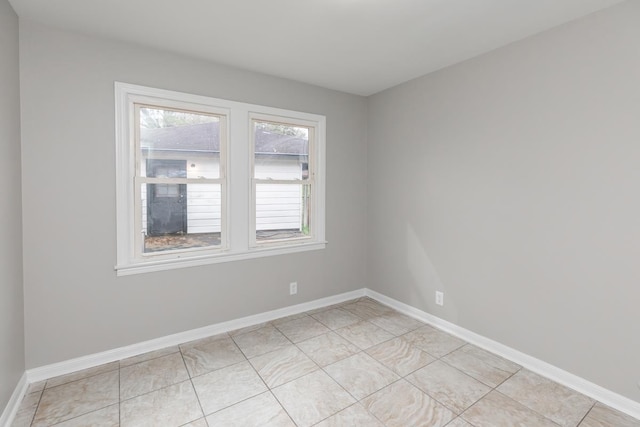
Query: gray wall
[[512, 183], [11, 299], [75, 304]]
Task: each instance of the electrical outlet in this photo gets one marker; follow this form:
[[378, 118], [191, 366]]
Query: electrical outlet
[[293, 288], [439, 298]]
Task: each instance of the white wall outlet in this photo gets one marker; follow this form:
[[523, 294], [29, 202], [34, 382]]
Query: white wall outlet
[[293, 288], [439, 298]]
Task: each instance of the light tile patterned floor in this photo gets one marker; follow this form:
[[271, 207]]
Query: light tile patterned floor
[[358, 363]]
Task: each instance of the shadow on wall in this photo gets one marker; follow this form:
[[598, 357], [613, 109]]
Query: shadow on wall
[[426, 280]]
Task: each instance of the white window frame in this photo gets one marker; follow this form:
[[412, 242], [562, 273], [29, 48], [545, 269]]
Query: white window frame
[[311, 181], [236, 178]]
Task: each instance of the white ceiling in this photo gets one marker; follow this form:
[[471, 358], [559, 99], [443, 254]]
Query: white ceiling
[[356, 46]]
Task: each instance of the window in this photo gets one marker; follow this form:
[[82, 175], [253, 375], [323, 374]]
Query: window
[[282, 181], [179, 158], [203, 180]]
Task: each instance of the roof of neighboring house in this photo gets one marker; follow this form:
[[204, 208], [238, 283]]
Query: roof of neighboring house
[[205, 137]]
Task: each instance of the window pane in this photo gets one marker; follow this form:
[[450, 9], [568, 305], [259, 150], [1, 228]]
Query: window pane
[[188, 144], [282, 211], [281, 151], [180, 216]]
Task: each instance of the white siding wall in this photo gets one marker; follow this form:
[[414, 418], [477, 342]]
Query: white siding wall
[[203, 200], [203, 208], [278, 206]]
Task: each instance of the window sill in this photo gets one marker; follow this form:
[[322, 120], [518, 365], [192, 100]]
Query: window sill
[[194, 261]]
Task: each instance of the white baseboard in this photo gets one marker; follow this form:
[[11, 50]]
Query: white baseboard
[[84, 362], [15, 400], [608, 397], [547, 370]]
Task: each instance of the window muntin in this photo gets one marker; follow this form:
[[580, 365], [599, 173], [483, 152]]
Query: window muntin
[[178, 163], [283, 179]]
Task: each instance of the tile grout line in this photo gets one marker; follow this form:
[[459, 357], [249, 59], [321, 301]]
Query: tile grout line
[[534, 410], [359, 351], [246, 359], [405, 377], [81, 378], [320, 368], [491, 388], [436, 358], [282, 406], [271, 389], [463, 373], [587, 414], [33, 417], [400, 377], [193, 387]]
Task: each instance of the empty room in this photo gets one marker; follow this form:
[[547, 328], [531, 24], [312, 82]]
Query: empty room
[[320, 213]]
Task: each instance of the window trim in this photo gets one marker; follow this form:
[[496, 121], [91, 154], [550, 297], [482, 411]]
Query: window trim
[[236, 215]]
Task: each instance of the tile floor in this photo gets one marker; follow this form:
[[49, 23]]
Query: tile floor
[[358, 363]]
